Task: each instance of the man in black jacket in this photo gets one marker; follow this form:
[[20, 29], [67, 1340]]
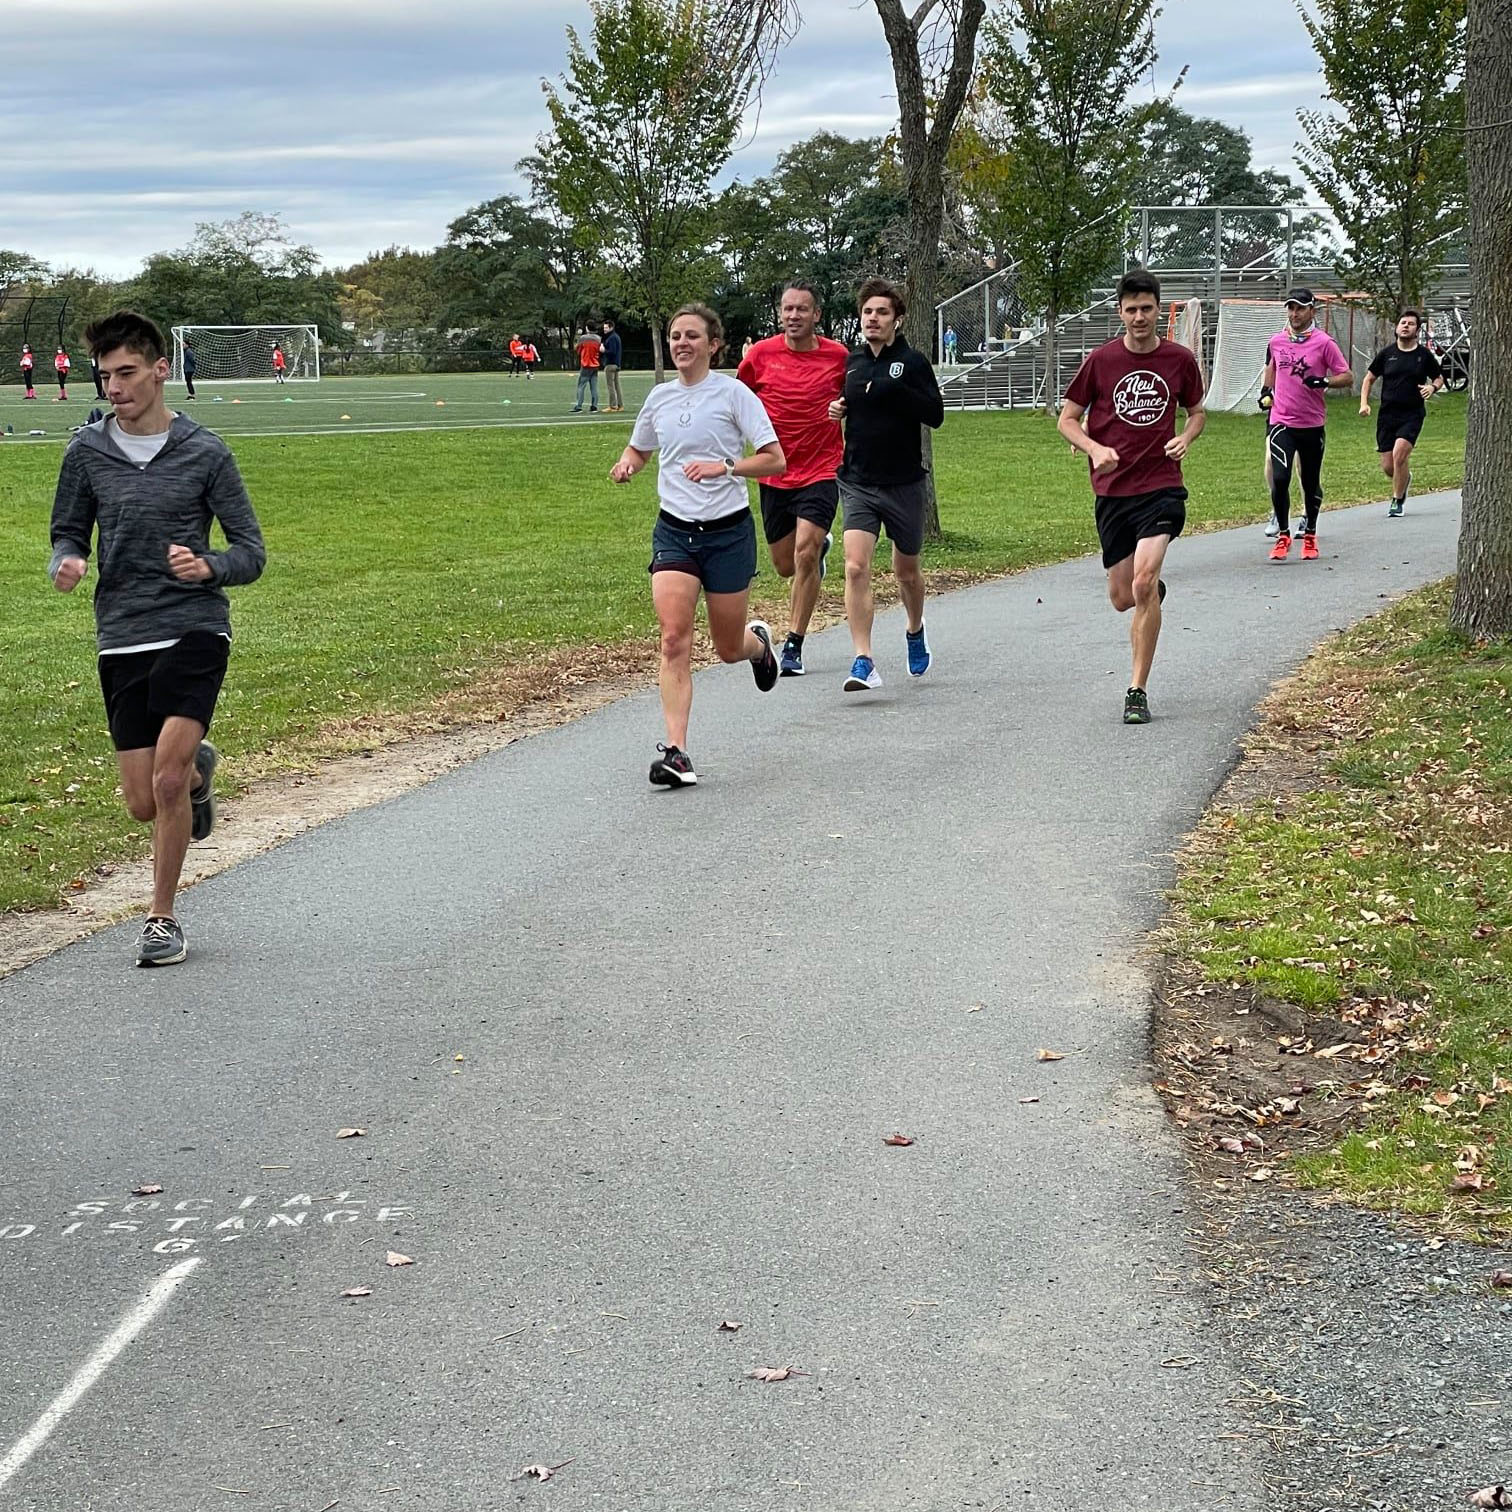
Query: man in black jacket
[[890, 391]]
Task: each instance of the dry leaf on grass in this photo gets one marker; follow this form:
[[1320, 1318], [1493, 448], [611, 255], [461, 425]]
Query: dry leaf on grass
[[1490, 1496], [775, 1373], [900, 1140], [540, 1472], [147, 1189], [1048, 1055], [395, 1258], [358, 1291], [350, 1133], [729, 1325], [1467, 1181]]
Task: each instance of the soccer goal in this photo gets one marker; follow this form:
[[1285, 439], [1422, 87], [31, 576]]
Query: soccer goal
[[1245, 327], [244, 354]]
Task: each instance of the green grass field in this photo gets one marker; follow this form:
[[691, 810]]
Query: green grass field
[[403, 566]]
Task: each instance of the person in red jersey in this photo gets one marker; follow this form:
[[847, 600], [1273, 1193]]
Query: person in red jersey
[[280, 363], [589, 349], [1121, 412], [797, 375], [28, 363], [532, 358], [516, 355], [62, 365]]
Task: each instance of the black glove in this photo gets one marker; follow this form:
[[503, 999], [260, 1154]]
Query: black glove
[[1315, 381], [1267, 397]]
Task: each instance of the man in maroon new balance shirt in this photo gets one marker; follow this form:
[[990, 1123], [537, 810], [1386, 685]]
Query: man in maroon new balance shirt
[[797, 376], [1121, 411]]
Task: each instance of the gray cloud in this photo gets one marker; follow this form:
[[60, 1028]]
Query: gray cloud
[[371, 122]]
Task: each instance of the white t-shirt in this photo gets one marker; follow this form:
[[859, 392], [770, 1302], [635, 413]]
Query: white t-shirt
[[139, 450], [701, 422]]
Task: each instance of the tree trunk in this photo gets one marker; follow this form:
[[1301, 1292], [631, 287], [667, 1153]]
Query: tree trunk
[[1483, 594], [658, 361], [923, 144], [1051, 393]]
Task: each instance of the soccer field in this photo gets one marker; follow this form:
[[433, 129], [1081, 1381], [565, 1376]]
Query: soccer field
[[418, 402]]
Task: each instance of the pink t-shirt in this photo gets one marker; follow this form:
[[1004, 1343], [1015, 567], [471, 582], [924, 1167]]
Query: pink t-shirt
[[1297, 405]]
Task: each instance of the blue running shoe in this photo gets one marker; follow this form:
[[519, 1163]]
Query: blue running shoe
[[918, 652], [863, 675], [824, 552], [790, 663]]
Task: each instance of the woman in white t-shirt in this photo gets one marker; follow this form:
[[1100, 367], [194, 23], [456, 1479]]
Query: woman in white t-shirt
[[704, 538]]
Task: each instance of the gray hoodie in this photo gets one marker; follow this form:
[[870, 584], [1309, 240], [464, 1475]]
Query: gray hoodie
[[141, 512]]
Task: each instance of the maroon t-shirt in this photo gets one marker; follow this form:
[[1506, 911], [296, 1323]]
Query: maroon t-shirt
[[1130, 400]]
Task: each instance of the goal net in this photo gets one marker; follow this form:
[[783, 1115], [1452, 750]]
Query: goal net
[[1245, 326], [1188, 328], [244, 354]]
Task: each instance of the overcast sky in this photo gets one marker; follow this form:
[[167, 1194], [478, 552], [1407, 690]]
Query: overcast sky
[[368, 123]]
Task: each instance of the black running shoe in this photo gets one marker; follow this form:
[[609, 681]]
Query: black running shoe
[[161, 943], [202, 795], [673, 768], [764, 668], [1136, 707]]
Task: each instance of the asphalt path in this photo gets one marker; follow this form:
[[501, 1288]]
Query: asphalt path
[[626, 1058]]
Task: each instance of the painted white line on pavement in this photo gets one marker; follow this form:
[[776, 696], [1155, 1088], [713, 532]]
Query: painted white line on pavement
[[155, 1300]]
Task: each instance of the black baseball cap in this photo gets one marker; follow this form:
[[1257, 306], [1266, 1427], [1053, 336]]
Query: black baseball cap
[[1300, 296]]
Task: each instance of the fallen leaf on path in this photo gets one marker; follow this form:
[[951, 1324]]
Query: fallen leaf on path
[[358, 1291], [1287, 1104], [395, 1258], [350, 1133], [1048, 1055], [1467, 1181], [775, 1373], [975, 1008], [729, 1325], [540, 1472], [1501, 1278], [1028, 1099], [1261, 1173], [1333, 1050], [145, 1190], [900, 1140], [1490, 1496]]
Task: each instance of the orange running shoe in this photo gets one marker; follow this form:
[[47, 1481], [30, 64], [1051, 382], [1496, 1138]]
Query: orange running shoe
[[1282, 549], [1309, 546]]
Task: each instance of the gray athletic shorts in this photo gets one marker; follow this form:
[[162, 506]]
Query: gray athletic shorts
[[898, 506]]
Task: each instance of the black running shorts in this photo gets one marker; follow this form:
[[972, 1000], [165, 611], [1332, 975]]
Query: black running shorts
[[721, 554], [1393, 425], [782, 508], [144, 688], [1122, 523]]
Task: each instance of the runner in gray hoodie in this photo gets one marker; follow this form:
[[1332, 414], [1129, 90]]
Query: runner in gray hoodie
[[151, 482]]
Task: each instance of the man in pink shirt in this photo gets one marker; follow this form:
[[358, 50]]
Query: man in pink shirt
[[1301, 364]]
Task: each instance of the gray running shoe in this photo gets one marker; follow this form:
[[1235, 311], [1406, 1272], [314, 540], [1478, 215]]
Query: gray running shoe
[[161, 943], [202, 795]]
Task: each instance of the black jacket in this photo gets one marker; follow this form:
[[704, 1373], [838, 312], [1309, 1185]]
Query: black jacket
[[887, 398]]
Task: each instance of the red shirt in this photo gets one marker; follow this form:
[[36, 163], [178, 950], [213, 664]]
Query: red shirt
[[61, 362], [26, 361], [588, 353], [1130, 400], [517, 349], [795, 389], [278, 360]]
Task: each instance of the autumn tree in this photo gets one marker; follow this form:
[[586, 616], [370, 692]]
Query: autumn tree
[[1483, 592], [933, 49], [1389, 161], [1063, 71], [646, 114]]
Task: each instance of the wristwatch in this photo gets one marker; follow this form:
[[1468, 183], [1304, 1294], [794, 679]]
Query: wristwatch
[[729, 463]]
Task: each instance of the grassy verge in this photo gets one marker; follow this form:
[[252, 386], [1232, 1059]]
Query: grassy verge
[[406, 568], [1369, 886]]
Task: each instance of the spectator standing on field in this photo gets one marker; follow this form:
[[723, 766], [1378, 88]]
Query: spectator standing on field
[[589, 352], [948, 355], [191, 363], [613, 351], [516, 355]]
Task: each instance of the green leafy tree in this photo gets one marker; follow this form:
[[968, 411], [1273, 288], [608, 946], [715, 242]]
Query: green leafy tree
[[1390, 163], [646, 114], [495, 269], [395, 290], [1483, 589], [1062, 71]]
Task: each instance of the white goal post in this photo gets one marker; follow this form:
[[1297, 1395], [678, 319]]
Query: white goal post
[[1245, 327], [244, 354]]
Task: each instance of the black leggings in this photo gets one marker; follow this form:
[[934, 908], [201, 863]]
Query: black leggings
[[1303, 448]]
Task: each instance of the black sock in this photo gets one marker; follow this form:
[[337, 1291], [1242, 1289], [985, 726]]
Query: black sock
[[795, 640]]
